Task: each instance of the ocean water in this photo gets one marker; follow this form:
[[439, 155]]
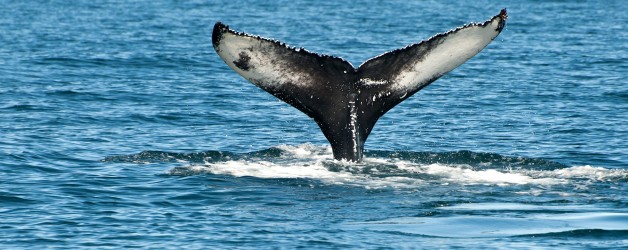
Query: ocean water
[[121, 128]]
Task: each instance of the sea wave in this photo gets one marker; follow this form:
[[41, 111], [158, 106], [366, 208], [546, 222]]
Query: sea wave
[[591, 224], [380, 169]]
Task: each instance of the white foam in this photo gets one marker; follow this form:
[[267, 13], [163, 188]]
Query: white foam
[[307, 150], [592, 173], [491, 176], [315, 171], [309, 161]]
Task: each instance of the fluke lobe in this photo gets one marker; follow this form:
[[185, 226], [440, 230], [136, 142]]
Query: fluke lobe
[[344, 101]]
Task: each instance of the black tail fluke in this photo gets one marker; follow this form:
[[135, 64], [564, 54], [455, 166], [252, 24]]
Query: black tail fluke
[[346, 102]]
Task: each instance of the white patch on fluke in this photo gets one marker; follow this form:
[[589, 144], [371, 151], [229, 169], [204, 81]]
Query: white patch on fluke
[[371, 82], [456, 48], [266, 69]]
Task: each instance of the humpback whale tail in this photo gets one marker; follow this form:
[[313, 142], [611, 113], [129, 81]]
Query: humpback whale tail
[[344, 101]]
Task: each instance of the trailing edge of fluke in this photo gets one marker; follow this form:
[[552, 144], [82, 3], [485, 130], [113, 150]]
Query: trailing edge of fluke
[[344, 101]]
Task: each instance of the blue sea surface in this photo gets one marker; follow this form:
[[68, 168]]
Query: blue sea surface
[[120, 127]]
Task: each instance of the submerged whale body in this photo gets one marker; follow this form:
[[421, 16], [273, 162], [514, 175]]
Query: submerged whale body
[[344, 101]]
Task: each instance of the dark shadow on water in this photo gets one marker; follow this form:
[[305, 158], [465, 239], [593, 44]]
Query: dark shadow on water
[[475, 160], [596, 234], [146, 157]]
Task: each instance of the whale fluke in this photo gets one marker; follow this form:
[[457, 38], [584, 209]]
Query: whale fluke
[[344, 101]]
